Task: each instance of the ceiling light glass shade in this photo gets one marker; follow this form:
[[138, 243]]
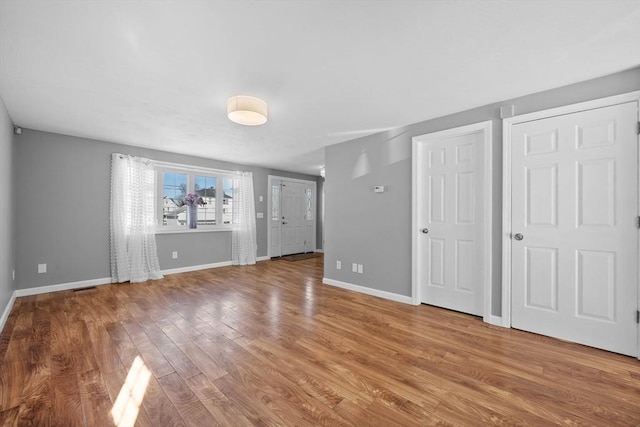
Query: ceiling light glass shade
[[247, 110]]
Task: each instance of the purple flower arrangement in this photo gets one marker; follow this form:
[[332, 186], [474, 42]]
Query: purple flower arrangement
[[192, 199]]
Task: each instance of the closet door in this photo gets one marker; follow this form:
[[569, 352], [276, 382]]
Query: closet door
[[574, 227]]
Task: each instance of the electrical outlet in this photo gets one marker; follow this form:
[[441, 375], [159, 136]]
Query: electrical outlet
[[42, 268], [338, 265], [174, 254], [354, 267], [360, 269]]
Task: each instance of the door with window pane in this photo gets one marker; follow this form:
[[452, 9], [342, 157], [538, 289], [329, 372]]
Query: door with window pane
[[292, 217]]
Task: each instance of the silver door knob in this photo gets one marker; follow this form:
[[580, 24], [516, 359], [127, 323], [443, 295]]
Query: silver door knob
[[284, 222], [518, 236], [425, 230]]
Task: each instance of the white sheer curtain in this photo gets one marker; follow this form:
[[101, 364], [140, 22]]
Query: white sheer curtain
[[243, 234], [134, 255]]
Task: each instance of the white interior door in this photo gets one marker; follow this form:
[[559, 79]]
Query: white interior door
[[574, 253], [450, 193], [294, 230]]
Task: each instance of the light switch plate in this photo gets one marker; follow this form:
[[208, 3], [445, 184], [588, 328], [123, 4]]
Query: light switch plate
[[354, 267], [42, 268]]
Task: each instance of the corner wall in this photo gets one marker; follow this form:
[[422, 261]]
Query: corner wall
[[374, 229], [6, 215], [62, 193]]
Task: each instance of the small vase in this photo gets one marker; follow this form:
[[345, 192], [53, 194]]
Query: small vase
[[192, 216]]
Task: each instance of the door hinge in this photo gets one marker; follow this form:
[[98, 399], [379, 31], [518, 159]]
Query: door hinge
[[638, 222], [637, 316], [638, 128]]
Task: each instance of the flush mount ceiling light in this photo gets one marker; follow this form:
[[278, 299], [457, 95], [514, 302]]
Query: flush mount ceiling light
[[247, 110]]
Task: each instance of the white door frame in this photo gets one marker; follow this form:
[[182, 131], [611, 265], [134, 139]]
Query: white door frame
[[506, 183], [418, 144], [313, 185]]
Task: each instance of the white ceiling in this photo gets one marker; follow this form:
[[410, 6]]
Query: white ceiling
[[157, 74]]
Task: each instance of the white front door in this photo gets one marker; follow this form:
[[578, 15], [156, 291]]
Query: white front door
[[291, 219], [574, 209], [451, 220], [294, 219]]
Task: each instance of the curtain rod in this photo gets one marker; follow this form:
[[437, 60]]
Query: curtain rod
[[180, 165], [191, 167], [124, 156]]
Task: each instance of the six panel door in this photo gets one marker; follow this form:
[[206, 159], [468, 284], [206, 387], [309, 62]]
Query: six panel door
[[452, 193], [575, 237]]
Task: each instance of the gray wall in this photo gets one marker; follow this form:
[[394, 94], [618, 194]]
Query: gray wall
[[6, 216], [62, 195], [375, 229]]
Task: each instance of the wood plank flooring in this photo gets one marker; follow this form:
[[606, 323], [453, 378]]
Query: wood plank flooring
[[270, 345]]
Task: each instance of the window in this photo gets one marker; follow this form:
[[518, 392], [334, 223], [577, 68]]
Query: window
[[175, 182], [309, 204], [227, 205], [174, 188], [206, 188], [275, 203]]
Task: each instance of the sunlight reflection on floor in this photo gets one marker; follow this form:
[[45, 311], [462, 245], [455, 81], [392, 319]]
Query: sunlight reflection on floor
[[127, 404]]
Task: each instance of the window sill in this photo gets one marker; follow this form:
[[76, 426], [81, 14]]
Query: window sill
[[192, 230]]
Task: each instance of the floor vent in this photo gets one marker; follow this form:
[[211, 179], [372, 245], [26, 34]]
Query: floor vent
[[83, 289]]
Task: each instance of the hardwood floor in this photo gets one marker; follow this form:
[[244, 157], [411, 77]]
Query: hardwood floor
[[270, 345]]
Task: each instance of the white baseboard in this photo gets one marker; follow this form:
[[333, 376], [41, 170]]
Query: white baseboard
[[106, 280], [495, 320], [196, 267], [320, 251], [62, 287], [369, 291], [207, 266], [7, 310]]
